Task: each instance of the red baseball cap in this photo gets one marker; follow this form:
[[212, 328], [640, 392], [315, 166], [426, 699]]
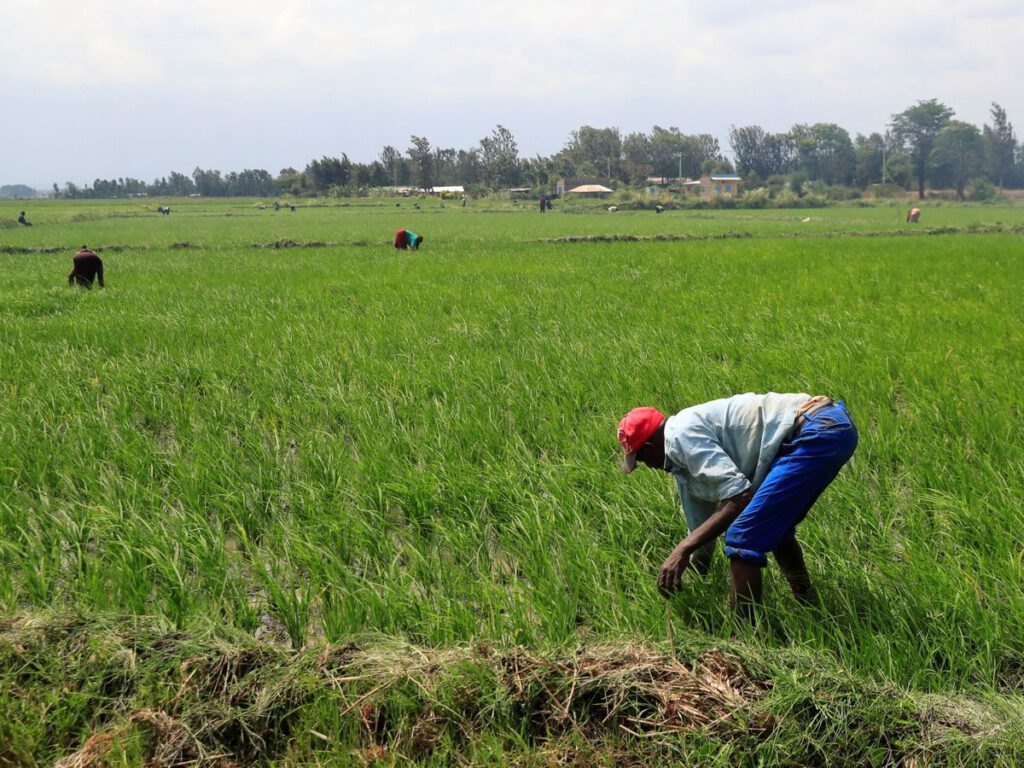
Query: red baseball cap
[[635, 429]]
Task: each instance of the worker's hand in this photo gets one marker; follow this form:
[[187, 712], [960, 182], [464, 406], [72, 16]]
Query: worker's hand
[[671, 574]]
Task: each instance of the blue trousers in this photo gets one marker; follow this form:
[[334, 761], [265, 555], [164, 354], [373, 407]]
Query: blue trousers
[[805, 466]]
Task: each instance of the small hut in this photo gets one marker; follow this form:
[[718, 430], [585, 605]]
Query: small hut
[[590, 190]]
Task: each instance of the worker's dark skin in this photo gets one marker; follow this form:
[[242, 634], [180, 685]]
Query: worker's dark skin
[[746, 577]]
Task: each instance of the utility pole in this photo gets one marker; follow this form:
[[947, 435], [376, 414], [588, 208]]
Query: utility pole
[[885, 144], [883, 159]]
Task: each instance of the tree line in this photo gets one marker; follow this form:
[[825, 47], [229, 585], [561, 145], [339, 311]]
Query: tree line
[[921, 146]]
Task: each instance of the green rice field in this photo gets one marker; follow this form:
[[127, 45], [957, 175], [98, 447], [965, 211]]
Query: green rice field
[[281, 494]]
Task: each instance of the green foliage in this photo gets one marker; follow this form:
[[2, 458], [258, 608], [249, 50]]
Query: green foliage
[[824, 152], [499, 159], [422, 161], [958, 153], [1000, 144], [756, 198], [759, 152], [870, 154], [899, 170], [883, 190], [327, 172], [917, 128], [982, 190], [595, 151], [797, 179]]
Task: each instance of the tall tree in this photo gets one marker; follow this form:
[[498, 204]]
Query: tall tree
[[328, 172], [959, 150], [702, 151], [421, 158], [759, 152], [537, 172], [667, 150], [824, 152], [1000, 146], [636, 151], [595, 151], [467, 166], [444, 165], [917, 128], [499, 158], [180, 185], [391, 159], [209, 182], [869, 152]]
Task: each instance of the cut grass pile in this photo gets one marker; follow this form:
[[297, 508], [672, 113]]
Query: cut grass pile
[[218, 699]]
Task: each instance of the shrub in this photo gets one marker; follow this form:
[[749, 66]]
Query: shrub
[[723, 202], [797, 182], [840, 192], [756, 198], [982, 190], [883, 190], [786, 198], [776, 183], [624, 196]]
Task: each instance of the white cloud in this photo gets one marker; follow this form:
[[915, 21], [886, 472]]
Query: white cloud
[[357, 71]]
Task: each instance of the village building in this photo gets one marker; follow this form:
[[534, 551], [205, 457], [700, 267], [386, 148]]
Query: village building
[[717, 185], [711, 186], [453, 190], [568, 184], [590, 190]]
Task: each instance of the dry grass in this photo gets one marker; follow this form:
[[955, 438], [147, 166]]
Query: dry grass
[[229, 703]]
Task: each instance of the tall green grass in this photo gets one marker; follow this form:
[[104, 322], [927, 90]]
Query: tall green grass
[[319, 442]]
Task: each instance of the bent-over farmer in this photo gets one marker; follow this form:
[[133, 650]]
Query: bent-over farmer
[[86, 267], [406, 238], [749, 466]]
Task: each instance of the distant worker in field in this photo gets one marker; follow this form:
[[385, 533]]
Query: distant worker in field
[[543, 203], [749, 466], [406, 238], [86, 267], [913, 215], [23, 220]]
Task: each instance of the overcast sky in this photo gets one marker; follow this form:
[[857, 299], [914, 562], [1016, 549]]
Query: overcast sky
[[114, 88]]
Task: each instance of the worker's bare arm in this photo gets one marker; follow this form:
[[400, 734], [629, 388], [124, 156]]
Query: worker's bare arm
[[672, 569]]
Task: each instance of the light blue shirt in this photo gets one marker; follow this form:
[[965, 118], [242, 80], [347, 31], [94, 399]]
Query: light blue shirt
[[719, 449]]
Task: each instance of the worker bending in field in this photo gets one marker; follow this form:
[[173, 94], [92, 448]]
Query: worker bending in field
[[86, 267], [406, 238], [749, 466]]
